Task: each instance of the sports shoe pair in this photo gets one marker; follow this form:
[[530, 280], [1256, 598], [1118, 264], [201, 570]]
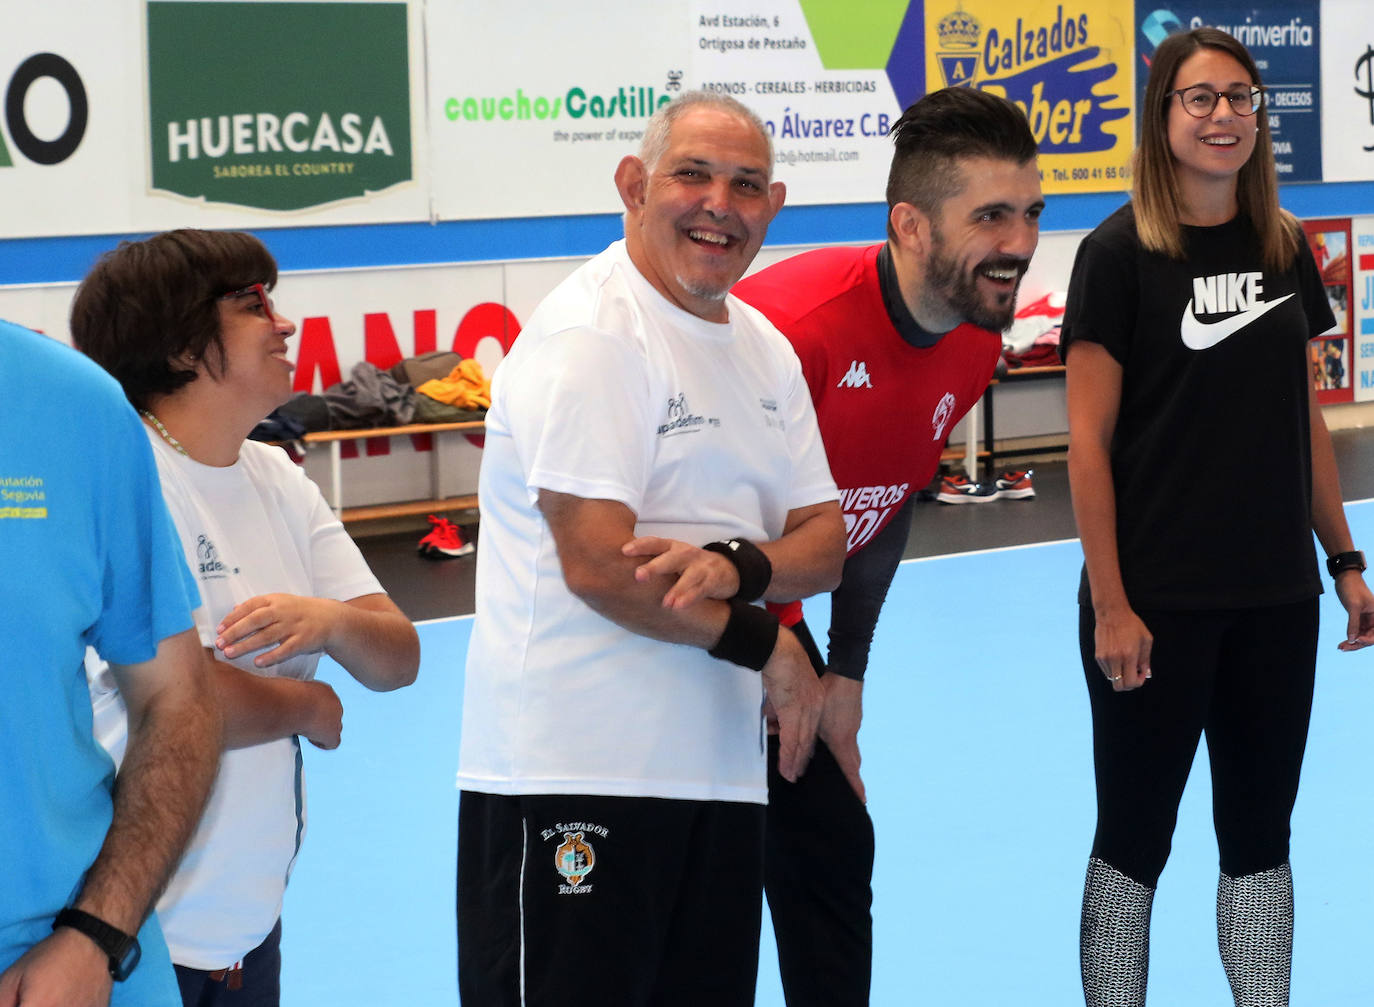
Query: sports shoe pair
[[444, 541], [959, 489]]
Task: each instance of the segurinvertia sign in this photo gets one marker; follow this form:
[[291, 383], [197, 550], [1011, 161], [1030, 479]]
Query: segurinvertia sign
[[244, 111]]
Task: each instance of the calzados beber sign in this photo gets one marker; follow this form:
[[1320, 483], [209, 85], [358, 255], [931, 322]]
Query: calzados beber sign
[[278, 106]]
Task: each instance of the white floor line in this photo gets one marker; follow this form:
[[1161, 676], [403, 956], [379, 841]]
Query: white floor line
[[985, 552]]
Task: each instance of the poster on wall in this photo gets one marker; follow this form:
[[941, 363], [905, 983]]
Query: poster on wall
[[1283, 39], [1331, 355], [311, 122], [1362, 305], [1068, 66], [515, 137], [816, 73], [331, 122], [514, 134], [1347, 88]]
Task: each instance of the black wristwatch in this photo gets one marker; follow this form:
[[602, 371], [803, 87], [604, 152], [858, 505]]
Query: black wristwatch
[[122, 948], [1344, 561]]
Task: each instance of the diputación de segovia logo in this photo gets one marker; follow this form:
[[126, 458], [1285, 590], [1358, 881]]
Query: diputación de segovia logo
[[243, 111]]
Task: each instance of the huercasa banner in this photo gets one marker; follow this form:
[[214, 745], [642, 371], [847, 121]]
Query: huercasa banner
[[312, 108]]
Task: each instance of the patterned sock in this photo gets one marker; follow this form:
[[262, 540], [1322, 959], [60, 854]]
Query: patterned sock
[[1114, 937], [1255, 935]]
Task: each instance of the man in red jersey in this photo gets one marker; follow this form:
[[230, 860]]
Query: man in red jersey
[[897, 341]]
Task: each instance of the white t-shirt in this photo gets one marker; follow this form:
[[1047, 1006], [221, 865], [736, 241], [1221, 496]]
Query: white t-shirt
[[706, 432], [259, 526]]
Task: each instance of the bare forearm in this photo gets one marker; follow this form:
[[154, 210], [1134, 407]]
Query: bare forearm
[[809, 557], [638, 607], [258, 709], [1094, 511], [378, 648], [1328, 509], [173, 752]]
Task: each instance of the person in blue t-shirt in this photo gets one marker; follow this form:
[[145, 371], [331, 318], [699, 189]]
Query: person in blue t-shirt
[[88, 556]]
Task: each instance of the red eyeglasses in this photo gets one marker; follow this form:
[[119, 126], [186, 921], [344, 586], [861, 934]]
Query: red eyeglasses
[[253, 290]]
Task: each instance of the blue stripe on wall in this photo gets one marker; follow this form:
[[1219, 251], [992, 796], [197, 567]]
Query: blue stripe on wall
[[66, 259]]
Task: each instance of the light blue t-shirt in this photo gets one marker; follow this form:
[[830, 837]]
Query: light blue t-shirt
[[88, 555]]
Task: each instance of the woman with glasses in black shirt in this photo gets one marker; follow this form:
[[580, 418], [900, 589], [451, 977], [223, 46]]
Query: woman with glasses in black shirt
[[1185, 337]]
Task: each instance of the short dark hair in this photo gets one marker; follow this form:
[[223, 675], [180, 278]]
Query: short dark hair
[[945, 126], [148, 305]]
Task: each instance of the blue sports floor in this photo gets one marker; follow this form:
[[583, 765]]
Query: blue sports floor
[[979, 773]]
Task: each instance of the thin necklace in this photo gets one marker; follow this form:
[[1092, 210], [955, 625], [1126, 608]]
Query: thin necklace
[[157, 425]]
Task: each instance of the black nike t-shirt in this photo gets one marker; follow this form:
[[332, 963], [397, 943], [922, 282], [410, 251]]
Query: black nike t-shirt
[[1211, 457]]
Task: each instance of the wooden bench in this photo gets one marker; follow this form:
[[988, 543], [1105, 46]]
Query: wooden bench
[[333, 492]]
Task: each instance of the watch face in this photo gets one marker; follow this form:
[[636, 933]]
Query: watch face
[[127, 962]]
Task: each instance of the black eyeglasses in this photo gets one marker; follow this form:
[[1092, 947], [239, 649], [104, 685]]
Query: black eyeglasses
[[1200, 100], [254, 290]]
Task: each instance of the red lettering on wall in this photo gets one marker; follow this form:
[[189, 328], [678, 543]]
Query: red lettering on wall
[[481, 321], [426, 331], [316, 354]]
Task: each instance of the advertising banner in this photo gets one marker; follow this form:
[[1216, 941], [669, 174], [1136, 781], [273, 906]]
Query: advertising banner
[[128, 117], [1362, 305], [816, 72], [330, 122], [532, 105], [1330, 353], [1067, 65], [520, 137], [1282, 37], [1347, 90]]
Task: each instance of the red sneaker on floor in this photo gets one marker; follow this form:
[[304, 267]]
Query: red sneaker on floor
[[959, 489], [1016, 485], [444, 541]]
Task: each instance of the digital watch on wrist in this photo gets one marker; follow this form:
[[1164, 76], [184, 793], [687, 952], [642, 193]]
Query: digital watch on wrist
[[122, 949]]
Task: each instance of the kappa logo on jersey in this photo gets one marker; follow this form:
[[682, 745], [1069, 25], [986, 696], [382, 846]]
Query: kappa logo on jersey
[[207, 559], [1236, 294], [944, 412], [574, 858], [856, 376]]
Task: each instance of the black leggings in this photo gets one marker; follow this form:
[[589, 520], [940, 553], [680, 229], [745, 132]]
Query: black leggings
[[1246, 678]]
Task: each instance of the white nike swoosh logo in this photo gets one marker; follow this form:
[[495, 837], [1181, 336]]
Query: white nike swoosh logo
[[1204, 335]]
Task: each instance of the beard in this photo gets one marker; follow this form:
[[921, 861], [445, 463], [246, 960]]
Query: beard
[[952, 290], [704, 290]]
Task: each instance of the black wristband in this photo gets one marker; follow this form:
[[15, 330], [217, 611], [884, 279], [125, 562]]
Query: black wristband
[[754, 568], [750, 635], [121, 949], [1343, 561]]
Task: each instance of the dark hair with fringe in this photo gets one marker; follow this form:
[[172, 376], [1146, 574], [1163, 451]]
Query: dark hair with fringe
[[945, 126], [148, 307]]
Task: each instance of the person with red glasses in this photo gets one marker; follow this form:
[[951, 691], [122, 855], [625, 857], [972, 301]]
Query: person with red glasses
[[185, 323]]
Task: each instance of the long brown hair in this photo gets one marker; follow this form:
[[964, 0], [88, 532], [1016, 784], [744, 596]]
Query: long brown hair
[[1155, 193]]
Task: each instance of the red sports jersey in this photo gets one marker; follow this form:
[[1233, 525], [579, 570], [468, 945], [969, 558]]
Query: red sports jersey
[[885, 407]]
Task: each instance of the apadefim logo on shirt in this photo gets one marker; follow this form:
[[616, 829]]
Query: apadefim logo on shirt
[[681, 419], [241, 110], [1225, 292], [208, 563]]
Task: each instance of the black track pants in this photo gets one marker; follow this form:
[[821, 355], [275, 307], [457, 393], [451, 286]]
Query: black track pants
[[818, 872]]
